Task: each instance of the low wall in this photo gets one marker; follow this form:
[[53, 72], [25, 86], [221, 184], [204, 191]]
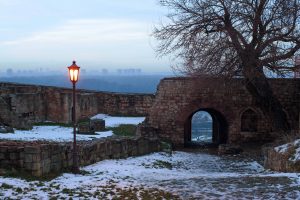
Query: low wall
[[41, 158]]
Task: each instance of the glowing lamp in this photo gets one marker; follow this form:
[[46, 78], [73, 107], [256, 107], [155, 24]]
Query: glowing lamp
[[74, 75], [74, 72]]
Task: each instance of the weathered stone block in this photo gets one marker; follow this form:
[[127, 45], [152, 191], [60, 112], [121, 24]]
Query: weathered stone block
[[85, 128], [56, 158], [98, 125], [27, 166], [55, 167], [13, 156], [116, 149], [36, 166], [46, 169], [2, 156], [37, 173], [32, 149], [27, 158], [3, 149], [36, 158], [45, 154], [124, 148], [142, 146]]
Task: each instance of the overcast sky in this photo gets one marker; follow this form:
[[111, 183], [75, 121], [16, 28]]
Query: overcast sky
[[96, 33]]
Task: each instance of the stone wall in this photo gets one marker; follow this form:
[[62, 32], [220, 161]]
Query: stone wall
[[41, 158], [169, 112], [177, 99], [40, 103], [9, 118]]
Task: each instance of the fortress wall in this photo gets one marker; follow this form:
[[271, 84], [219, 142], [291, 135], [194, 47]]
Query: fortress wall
[[41, 103], [169, 111]]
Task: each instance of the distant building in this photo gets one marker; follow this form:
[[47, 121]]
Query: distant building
[[129, 71], [104, 71], [9, 72], [297, 65], [83, 71]]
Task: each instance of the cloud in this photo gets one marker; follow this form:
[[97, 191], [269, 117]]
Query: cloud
[[113, 41], [82, 31]]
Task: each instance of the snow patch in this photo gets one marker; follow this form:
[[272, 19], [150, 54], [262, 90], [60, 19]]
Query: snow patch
[[111, 121], [51, 133], [283, 148], [65, 134], [288, 147]]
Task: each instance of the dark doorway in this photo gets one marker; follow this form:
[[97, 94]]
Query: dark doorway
[[205, 127], [249, 121]]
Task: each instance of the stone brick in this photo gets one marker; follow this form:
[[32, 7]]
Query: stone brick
[[56, 158], [2, 156], [13, 156], [37, 173], [56, 167], [28, 158], [36, 158], [36, 166], [32, 149], [28, 166], [3, 149]]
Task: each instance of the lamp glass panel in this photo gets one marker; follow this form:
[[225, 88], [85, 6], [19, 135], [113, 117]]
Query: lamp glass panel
[[74, 74]]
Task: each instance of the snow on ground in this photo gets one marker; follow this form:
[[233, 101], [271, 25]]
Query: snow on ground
[[111, 121], [51, 133], [64, 134], [188, 175]]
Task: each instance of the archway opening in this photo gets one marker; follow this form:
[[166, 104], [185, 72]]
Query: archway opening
[[202, 127], [205, 127]]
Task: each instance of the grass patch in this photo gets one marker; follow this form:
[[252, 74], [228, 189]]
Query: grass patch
[[162, 164], [166, 146], [28, 177], [19, 190], [47, 177], [127, 130], [68, 191], [84, 173], [24, 129], [6, 186], [52, 124]]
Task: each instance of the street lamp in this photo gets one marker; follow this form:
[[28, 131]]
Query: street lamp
[[74, 75]]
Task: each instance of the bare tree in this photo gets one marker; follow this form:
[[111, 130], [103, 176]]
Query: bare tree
[[226, 37]]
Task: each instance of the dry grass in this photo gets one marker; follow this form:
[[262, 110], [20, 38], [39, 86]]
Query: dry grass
[[285, 137]]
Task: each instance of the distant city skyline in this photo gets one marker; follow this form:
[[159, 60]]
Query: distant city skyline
[[98, 34], [33, 72]]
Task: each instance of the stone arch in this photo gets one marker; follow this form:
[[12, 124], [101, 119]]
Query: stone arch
[[249, 120], [219, 126]]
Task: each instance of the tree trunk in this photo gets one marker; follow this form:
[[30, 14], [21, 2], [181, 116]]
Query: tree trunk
[[258, 86]]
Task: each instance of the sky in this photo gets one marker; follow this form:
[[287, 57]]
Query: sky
[[97, 34]]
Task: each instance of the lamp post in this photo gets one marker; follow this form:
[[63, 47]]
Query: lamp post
[[74, 75]]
